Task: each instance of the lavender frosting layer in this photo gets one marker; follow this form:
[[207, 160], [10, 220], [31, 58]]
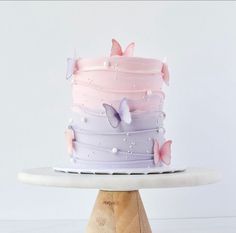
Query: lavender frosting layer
[[97, 143], [99, 123], [135, 141], [88, 164]]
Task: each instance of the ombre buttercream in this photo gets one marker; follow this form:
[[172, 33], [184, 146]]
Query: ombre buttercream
[[117, 111]]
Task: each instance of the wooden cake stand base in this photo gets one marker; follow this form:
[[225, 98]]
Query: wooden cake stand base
[[119, 208], [118, 212]]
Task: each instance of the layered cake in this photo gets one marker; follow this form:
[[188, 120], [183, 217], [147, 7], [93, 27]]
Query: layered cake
[[117, 115]]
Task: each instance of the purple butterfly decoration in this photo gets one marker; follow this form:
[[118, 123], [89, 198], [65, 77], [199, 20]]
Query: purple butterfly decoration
[[71, 67], [115, 117]]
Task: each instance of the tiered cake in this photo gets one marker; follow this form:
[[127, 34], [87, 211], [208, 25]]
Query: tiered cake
[[117, 116]]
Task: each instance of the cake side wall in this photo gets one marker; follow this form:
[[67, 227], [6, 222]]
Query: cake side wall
[[99, 144]]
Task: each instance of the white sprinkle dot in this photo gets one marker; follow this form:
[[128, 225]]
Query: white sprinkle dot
[[124, 139], [149, 92], [70, 120], [106, 63], [161, 130], [83, 119], [114, 150]]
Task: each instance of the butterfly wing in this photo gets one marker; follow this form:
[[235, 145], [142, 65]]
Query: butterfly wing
[[129, 51], [124, 111], [70, 136], [116, 48], [112, 115], [71, 62], [165, 152], [166, 75], [156, 150]]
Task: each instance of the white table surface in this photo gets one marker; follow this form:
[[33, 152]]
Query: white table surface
[[190, 225], [48, 177]]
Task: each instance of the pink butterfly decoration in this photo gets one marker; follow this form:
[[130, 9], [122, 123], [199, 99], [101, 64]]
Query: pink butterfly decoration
[[162, 154], [116, 49], [70, 137], [165, 72]]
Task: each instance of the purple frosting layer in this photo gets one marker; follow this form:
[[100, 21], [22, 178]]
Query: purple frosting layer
[[98, 145]]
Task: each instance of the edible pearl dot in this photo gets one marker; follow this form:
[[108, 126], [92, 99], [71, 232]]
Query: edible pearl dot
[[73, 82], [162, 116], [149, 139], [133, 143], [106, 63], [72, 160], [124, 139], [127, 134], [130, 146], [161, 130], [70, 120], [114, 150], [149, 92], [83, 119]]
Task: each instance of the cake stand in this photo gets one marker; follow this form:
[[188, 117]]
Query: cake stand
[[118, 207]]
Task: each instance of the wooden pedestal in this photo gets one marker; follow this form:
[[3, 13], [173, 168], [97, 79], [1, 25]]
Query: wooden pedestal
[[118, 212]]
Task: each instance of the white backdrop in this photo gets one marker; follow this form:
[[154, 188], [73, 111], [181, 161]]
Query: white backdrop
[[199, 40]]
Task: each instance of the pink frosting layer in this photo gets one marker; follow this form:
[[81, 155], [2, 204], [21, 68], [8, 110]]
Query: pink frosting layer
[[114, 81], [131, 64], [108, 80]]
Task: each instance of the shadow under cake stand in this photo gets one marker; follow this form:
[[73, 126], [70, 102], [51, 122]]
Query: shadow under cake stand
[[118, 207]]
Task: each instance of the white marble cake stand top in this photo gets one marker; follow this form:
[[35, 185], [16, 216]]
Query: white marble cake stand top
[[48, 177]]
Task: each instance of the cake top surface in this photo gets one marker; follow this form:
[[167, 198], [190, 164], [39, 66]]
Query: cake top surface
[[120, 60]]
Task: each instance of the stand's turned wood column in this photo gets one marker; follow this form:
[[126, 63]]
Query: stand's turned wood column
[[118, 212]]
